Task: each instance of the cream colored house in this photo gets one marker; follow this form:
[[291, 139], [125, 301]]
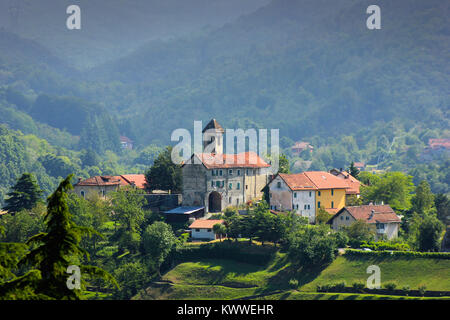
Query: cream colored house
[[382, 218]]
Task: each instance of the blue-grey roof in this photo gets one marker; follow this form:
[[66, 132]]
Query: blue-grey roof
[[184, 210]]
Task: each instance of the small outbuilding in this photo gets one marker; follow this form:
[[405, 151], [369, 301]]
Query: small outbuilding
[[183, 214], [203, 229]]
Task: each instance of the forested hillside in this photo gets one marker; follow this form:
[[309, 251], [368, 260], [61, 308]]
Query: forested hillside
[[310, 68], [113, 28]]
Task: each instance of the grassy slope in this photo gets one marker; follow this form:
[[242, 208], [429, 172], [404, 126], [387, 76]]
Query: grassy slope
[[412, 272], [225, 279]]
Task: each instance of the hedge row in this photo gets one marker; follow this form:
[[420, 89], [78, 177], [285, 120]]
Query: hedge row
[[342, 288], [224, 250], [433, 255], [381, 245]]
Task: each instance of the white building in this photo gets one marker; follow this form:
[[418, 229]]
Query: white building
[[293, 193], [382, 219], [203, 229]]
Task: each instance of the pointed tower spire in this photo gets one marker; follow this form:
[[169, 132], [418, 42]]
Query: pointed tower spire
[[213, 137]]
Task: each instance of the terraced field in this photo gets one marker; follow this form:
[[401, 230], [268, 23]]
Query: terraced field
[[226, 279]]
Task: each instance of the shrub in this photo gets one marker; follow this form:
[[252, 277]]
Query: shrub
[[434, 255], [422, 289], [390, 286], [340, 286], [406, 289], [323, 287], [383, 245], [358, 286], [293, 283]]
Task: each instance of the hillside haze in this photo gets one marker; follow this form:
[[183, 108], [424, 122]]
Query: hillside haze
[[112, 28], [308, 67]]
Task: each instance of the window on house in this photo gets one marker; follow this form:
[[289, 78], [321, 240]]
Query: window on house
[[230, 172], [213, 173], [220, 172], [229, 200], [278, 184], [212, 183], [208, 230], [347, 218], [295, 194], [310, 194], [246, 187], [319, 193], [197, 230], [230, 186], [239, 172], [332, 192], [318, 204], [342, 218], [246, 172], [218, 184], [332, 204], [380, 226], [305, 207], [82, 193], [309, 206], [238, 186]]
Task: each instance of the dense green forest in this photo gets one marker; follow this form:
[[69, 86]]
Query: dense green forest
[[309, 68]]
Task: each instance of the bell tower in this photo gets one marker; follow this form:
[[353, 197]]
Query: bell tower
[[213, 137]]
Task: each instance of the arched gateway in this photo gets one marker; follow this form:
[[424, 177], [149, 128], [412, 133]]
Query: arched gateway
[[214, 202]]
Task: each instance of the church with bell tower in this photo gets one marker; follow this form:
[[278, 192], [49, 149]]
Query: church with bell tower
[[217, 180]]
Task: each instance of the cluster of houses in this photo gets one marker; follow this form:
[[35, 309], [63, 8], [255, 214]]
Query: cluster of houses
[[215, 181]]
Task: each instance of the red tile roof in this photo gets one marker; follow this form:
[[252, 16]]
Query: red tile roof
[[352, 183], [137, 179], [436, 143], [125, 139], [325, 180], [381, 213], [224, 161], [313, 180], [297, 181], [123, 180], [204, 224], [101, 181]]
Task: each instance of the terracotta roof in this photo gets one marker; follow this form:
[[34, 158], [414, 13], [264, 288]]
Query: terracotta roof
[[297, 181], [436, 143], [204, 224], [137, 179], [325, 180], [101, 181], [224, 161], [353, 184], [381, 213], [213, 124], [332, 211], [302, 145], [359, 164], [123, 180], [125, 139]]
